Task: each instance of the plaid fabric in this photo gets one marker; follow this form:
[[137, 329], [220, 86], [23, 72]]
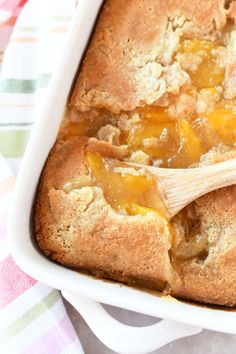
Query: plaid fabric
[[33, 319]]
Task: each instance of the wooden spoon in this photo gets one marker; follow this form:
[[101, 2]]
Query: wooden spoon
[[179, 187]]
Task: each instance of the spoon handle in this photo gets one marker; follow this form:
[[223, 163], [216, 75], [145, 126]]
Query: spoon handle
[[179, 187]]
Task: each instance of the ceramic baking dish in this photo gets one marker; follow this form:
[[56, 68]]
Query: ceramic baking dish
[[84, 292]]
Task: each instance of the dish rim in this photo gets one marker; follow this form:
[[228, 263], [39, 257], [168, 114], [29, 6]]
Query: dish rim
[[24, 250]]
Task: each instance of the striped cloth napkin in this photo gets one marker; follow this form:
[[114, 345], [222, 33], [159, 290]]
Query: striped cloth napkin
[[33, 319]]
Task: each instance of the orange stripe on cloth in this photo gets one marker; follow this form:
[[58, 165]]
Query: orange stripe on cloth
[[25, 39], [57, 30], [6, 186], [11, 21], [36, 39]]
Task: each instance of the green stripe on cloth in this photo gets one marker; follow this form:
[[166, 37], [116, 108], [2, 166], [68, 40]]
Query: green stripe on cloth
[[26, 29], [60, 18], [10, 124], [24, 86], [13, 142], [22, 322]]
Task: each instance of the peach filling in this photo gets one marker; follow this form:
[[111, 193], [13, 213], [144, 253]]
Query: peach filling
[[175, 142], [181, 142], [171, 141], [124, 191], [123, 188], [208, 73]]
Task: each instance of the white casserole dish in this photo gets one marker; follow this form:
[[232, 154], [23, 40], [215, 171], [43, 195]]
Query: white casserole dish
[[84, 292]]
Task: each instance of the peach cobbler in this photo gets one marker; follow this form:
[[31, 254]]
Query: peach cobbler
[[157, 87]]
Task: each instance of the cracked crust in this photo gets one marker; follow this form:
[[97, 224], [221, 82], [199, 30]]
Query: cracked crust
[[129, 61], [79, 229], [129, 64], [213, 280]]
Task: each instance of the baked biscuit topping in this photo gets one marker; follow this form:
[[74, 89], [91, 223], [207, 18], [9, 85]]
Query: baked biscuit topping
[[192, 114], [194, 118], [157, 87]]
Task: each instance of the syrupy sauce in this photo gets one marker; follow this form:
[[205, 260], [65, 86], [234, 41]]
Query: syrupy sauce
[[153, 288], [175, 141]]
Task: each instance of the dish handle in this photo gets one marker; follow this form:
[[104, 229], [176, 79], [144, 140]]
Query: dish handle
[[125, 339]]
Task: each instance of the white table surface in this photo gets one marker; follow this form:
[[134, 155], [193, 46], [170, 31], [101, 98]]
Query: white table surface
[[207, 342]]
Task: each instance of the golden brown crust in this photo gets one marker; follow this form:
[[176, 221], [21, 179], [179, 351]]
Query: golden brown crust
[[108, 150], [79, 229], [129, 61], [213, 279], [232, 9], [129, 64]]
